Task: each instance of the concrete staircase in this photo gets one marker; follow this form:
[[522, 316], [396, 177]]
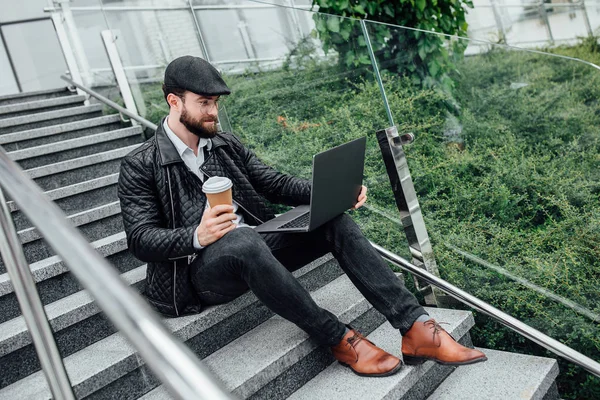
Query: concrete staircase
[[73, 152]]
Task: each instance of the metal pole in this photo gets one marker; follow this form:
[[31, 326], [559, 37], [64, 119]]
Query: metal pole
[[67, 50], [363, 25], [544, 15], [586, 19], [199, 33], [10, 61], [111, 103], [520, 327], [77, 45], [499, 23], [117, 67], [32, 308]]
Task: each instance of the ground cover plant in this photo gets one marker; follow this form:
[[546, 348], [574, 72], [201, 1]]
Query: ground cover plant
[[506, 167]]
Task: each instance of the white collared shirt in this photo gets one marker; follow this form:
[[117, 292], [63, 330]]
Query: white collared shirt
[[194, 163]]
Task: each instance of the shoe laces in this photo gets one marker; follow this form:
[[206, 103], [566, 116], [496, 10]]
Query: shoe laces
[[357, 337], [437, 328]]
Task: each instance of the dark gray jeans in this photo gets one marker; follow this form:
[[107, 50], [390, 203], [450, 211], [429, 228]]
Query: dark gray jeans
[[244, 259]]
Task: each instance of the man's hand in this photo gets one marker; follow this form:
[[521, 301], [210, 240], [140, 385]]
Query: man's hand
[[362, 198], [216, 222]]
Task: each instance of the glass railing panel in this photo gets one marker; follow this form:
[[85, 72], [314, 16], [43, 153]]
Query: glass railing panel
[[506, 165], [90, 21], [568, 21]]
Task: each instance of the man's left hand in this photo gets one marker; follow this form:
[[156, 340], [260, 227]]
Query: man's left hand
[[362, 198]]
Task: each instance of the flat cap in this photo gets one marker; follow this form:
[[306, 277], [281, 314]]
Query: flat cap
[[196, 75]]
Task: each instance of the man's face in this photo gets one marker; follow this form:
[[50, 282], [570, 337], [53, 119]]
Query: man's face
[[199, 114]]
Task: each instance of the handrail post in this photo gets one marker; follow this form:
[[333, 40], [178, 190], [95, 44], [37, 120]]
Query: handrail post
[[108, 38], [32, 308]]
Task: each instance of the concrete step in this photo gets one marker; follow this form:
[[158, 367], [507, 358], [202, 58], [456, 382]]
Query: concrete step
[[50, 134], [75, 198], [54, 280], [80, 169], [337, 381], [504, 376], [104, 362], [85, 217], [57, 117], [32, 96], [250, 362], [94, 224], [34, 157], [61, 314], [37, 106], [76, 322]]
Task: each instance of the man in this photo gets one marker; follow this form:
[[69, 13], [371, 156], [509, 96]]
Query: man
[[200, 255]]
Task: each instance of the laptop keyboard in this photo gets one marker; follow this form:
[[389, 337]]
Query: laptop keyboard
[[298, 222]]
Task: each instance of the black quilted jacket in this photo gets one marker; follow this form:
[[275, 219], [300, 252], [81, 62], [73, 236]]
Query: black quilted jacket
[[162, 204]]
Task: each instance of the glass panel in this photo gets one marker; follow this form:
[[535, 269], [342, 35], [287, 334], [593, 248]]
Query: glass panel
[[8, 85], [19, 10], [90, 23], [36, 54], [146, 40], [506, 166]]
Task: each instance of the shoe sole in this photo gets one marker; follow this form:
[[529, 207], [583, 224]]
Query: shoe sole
[[410, 360], [389, 373]]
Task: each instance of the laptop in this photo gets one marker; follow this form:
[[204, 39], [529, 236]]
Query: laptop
[[336, 183]]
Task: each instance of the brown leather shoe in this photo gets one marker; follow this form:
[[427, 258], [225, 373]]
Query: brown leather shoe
[[429, 341], [363, 357]]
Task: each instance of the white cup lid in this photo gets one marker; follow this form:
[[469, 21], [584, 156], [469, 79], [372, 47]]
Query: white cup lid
[[216, 184]]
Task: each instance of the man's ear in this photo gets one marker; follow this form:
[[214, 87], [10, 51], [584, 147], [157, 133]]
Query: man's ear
[[173, 101]]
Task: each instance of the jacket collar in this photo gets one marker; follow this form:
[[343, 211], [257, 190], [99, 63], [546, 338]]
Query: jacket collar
[[167, 150]]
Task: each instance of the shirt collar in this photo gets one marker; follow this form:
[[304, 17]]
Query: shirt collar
[[178, 143]]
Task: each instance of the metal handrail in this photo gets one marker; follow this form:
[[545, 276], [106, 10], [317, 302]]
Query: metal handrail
[[32, 308], [111, 103], [170, 360], [520, 327]]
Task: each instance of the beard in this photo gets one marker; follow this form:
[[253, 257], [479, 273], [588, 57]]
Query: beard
[[196, 126]]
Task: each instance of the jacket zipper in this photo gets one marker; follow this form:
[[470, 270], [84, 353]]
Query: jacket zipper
[[174, 262], [236, 200]]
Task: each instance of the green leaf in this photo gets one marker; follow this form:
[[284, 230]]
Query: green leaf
[[345, 33], [342, 5], [387, 8], [333, 24], [359, 9], [421, 4], [434, 68], [422, 51], [364, 59]]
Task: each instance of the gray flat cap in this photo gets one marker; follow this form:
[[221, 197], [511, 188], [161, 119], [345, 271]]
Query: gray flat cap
[[196, 75]]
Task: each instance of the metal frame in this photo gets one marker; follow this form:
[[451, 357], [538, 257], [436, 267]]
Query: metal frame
[[8, 55], [390, 143], [31, 307], [520, 327], [111, 103], [108, 38]]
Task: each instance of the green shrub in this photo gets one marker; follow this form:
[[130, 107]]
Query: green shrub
[[426, 58]]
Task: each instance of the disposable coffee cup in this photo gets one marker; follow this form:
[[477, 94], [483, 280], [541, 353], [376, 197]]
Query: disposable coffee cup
[[218, 190]]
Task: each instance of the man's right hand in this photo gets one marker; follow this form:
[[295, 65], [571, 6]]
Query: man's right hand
[[216, 222]]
